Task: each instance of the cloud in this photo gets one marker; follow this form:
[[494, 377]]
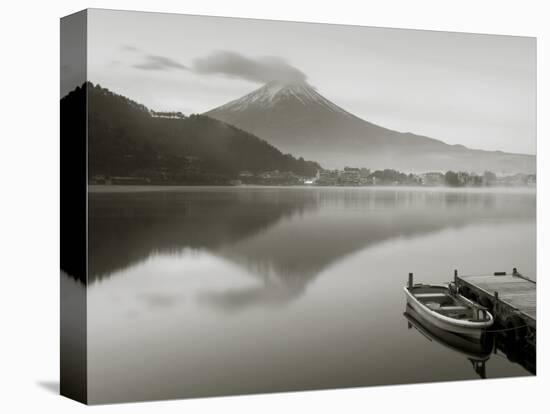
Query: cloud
[[156, 62], [130, 48], [263, 69], [231, 64]]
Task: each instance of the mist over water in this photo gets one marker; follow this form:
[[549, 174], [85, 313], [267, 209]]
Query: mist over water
[[241, 290]]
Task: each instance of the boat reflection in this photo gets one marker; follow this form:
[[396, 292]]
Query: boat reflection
[[477, 351]]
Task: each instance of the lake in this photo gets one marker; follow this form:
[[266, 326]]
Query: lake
[[198, 291]]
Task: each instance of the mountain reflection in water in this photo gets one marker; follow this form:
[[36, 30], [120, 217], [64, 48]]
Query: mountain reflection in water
[[283, 236]]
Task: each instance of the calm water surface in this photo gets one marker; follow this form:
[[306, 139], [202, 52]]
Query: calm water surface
[[208, 291]]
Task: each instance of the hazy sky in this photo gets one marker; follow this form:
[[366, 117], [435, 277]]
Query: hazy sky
[[475, 90]]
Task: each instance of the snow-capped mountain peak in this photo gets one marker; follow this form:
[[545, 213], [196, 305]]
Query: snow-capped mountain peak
[[274, 93]]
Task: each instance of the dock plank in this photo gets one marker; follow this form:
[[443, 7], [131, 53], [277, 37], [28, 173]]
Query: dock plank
[[514, 290]]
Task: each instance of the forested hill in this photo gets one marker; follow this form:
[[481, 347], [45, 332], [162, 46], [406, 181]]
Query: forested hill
[[127, 139]]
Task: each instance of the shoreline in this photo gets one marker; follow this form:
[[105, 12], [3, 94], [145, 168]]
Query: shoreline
[[135, 188]]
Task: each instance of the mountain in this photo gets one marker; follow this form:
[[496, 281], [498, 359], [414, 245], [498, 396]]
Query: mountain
[[127, 139], [298, 119]]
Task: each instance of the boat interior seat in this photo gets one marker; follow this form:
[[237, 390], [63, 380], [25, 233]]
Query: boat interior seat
[[455, 311], [453, 308], [430, 295], [441, 298]]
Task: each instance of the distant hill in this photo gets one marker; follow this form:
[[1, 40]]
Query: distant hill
[[296, 118], [127, 139]]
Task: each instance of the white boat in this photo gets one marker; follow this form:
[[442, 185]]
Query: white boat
[[448, 310]]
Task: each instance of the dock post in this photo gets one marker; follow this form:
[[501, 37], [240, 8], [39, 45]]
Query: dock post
[[496, 303], [456, 276], [410, 280]]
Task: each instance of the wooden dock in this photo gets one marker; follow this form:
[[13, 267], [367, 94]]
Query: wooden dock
[[510, 297], [512, 290], [512, 300]]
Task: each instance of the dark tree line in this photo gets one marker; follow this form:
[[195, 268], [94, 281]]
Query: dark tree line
[[393, 176], [464, 179]]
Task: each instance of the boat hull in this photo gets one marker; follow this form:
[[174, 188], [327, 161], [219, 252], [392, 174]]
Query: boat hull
[[465, 328], [471, 348]]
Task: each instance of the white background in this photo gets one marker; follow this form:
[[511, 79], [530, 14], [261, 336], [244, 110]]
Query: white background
[[29, 205]]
